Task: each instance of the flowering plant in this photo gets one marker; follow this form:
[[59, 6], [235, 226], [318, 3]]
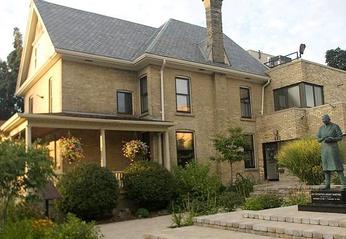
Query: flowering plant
[[71, 149], [135, 150]]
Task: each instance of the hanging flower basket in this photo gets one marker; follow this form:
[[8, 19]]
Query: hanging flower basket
[[71, 149], [135, 150]]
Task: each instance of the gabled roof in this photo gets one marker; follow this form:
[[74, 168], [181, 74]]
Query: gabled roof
[[85, 32]]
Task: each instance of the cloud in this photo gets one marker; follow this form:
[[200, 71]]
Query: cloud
[[276, 27]]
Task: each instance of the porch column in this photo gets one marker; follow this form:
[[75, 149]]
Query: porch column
[[28, 140], [167, 158], [159, 148], [103, 147]]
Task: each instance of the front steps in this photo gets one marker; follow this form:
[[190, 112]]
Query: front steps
[[286, 222]]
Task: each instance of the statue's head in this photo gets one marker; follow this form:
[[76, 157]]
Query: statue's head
[[326, 119]]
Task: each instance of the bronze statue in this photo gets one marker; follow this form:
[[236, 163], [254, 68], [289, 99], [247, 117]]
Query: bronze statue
[[328, 135]]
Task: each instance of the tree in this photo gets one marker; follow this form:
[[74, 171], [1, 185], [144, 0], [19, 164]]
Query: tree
[[336, 58], [230, 147], [22, 172], [10, 104]]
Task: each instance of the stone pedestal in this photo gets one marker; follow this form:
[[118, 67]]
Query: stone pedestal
[[333, 201]]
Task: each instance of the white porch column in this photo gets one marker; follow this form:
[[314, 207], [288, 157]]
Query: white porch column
[[159, 148], [103, 147], [167, 158], [28, 140]]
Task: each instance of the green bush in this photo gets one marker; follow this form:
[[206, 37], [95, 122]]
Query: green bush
[[242, 185], [74, 228], [263, 201], [195, 181], [21, 229], [88, 191], [228, 201], [303, 159], [142, 212], [296, 198], [149, 185]]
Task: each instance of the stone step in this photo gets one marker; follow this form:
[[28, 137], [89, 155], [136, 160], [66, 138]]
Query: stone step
[[236, 222], [292, 215], [196, 232]]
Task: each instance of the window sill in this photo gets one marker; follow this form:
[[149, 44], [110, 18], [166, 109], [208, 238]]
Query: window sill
[[250, 169], [184, 114], [144, 114], [248, 119]]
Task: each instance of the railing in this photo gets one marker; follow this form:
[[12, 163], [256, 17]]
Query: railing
[[279, 60], [119, 175]]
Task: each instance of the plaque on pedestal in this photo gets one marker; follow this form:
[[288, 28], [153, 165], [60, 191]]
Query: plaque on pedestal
[[333, 201]]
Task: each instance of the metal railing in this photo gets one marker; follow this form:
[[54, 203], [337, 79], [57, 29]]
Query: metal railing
[[119, 175], [279, 60]]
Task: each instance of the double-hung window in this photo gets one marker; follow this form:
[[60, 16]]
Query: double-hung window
[[124, 102], [185, 147], [143, 82], [249, 154], [245, 102], [182, 87]]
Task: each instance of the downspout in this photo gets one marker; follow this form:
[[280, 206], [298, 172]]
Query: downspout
[[263, 88], [162, 91]]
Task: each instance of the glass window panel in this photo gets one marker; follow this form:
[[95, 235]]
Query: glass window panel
[[185, 147], [182, 86], [309, 96], [124, 102], [318, 95], [293, 96], [144, 94], [280, 98], [249, 158], [183, 103], [143, 83], [245, 103]]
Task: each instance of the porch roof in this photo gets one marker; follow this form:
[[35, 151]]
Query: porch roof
[[19, 121]]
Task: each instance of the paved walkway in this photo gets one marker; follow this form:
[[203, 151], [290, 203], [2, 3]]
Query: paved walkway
[[135, 229]]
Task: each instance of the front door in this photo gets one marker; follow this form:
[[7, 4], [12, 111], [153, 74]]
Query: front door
[[271, 171]]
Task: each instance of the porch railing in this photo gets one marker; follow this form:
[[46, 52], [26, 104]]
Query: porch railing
[[119, 175]]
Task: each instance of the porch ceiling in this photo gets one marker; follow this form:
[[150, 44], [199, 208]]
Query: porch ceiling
[[81, 121]]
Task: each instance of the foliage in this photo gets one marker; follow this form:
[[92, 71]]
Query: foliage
[[336, 58], [303, 159], [263, 201], [195, 182], [71, 149], [89, 191], [10, 103], [230, 147], [297, 198], [22, 210], [20, 229], [74, 228], [229, 200], [183, 214], [242, 185], [135, 150], [148, 184], [22, 172], [142, 212]]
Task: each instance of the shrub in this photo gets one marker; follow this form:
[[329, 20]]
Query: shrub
[[21, 229], [195, 181], [21, 171], [229, 201], [142, 212], [148, 184], [74, 228], [263, 201], [242, 185], [89, 191], [296, 198], [135, 150], [303, 159]]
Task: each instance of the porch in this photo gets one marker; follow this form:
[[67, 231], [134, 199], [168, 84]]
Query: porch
[[102, 136]]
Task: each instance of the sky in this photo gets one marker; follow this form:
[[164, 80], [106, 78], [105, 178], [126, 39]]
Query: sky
[[272, 26]]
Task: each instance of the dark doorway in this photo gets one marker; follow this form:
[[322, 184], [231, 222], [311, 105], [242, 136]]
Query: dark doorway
[[271, 170]]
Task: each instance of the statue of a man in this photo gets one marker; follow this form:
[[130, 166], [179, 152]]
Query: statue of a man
[[328, 135]]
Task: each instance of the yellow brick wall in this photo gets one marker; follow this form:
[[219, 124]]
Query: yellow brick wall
[[40, 92]]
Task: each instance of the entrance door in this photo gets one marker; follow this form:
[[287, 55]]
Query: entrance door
[[270, 162]]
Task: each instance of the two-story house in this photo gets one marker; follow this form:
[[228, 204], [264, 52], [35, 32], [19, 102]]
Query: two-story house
[[107, 81]]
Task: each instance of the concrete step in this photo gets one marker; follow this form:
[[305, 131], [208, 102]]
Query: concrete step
[[292, 215], [196, 232], [236, 222]]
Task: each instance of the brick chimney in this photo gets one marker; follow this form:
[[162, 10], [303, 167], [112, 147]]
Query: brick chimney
[[215, 45]]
